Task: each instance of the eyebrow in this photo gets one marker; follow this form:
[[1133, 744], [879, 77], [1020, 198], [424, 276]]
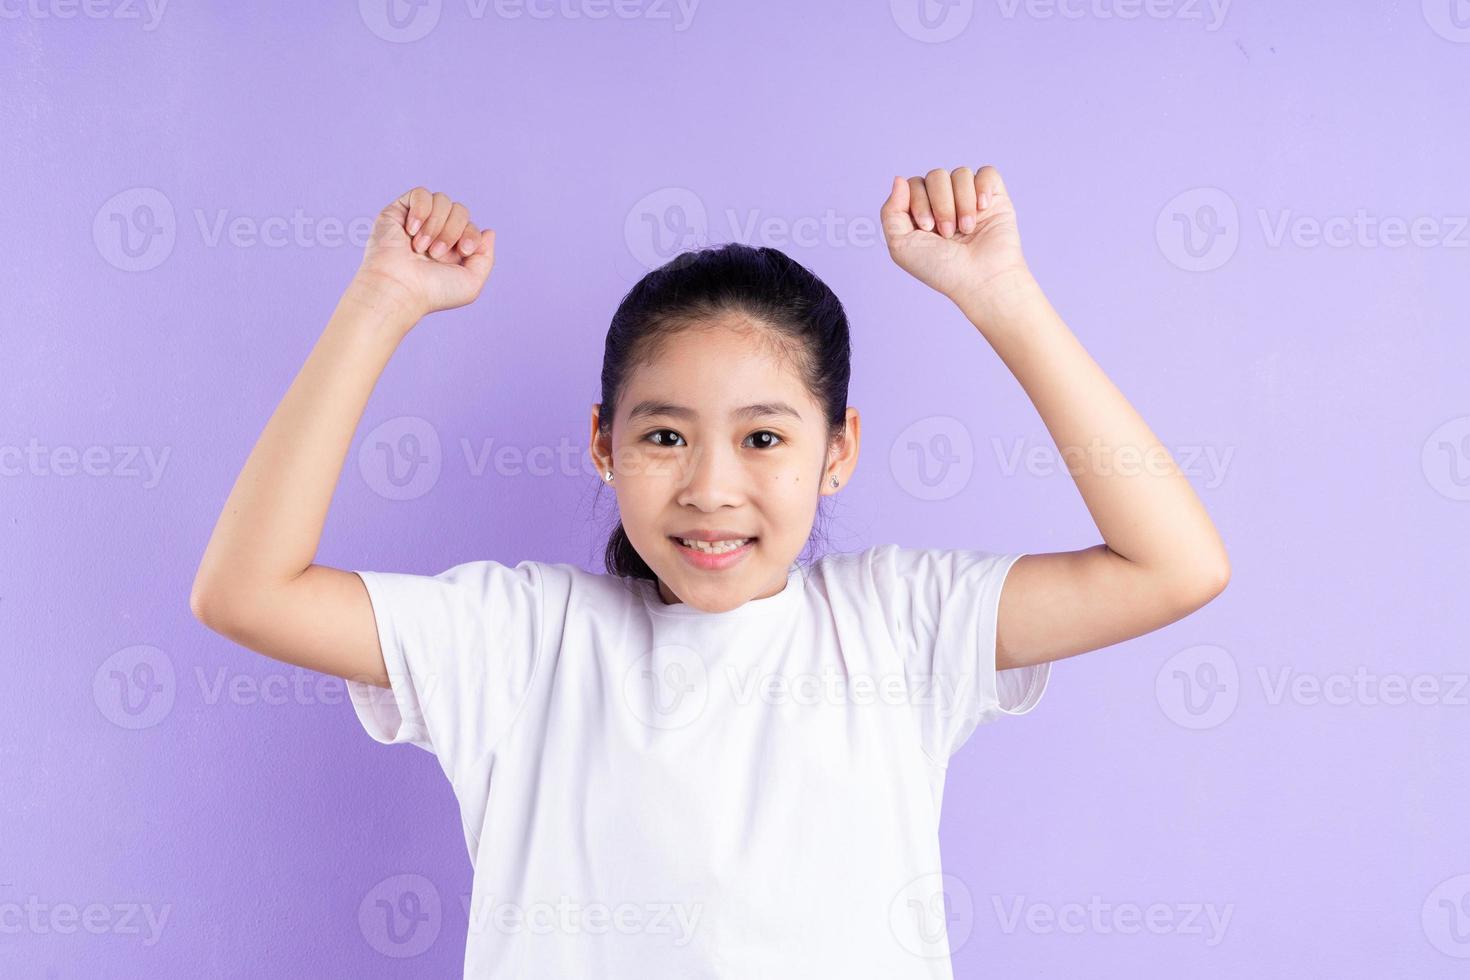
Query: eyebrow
[[649, 409]]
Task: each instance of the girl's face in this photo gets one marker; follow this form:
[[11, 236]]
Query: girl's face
[[719, 435]]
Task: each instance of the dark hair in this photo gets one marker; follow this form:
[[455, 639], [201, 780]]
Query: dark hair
[[762, 283]]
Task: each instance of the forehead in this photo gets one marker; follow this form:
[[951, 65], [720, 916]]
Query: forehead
[[717, 367]]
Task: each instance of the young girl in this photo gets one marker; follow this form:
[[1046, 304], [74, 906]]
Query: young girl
[[714, 761]]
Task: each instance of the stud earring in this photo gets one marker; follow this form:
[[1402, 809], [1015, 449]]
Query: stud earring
[[834, 481], [609, 476]]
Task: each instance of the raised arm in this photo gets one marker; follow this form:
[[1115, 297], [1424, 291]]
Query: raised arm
[[257, 583], [1161, 557]]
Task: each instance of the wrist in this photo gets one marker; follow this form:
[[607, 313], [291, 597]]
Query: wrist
[[384, 302], [999, 297]]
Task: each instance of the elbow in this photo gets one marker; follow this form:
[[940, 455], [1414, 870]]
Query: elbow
[[205, 604], [200, 604], [1207, 582]]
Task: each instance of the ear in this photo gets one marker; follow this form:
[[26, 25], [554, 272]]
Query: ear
[[842, 456], [599, 445]]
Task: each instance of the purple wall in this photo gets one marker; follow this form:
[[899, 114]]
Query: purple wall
[[1253, 215]]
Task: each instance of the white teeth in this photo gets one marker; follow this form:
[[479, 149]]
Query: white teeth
[[714, 547]]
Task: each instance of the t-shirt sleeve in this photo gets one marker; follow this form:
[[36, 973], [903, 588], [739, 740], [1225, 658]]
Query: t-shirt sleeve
[[941, 608], [461, 649]]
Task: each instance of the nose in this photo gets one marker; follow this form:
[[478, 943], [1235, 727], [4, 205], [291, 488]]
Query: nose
[[712, 478]]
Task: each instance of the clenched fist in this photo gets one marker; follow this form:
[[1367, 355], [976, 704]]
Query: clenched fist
[[425, 254], [954, 231]]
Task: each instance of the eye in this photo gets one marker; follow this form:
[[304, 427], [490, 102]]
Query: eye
[[659, 432], [766, 432]]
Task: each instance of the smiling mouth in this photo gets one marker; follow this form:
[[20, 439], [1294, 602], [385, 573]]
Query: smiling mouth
[[712, 547]]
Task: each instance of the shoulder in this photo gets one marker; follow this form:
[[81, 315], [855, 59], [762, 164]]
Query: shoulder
[[891, 566], [547, 576], [546, 584]]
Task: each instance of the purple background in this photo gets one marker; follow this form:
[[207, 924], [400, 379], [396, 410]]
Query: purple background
[[1316, 394]]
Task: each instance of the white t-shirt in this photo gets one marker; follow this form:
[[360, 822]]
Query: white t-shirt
[[652, 791]]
